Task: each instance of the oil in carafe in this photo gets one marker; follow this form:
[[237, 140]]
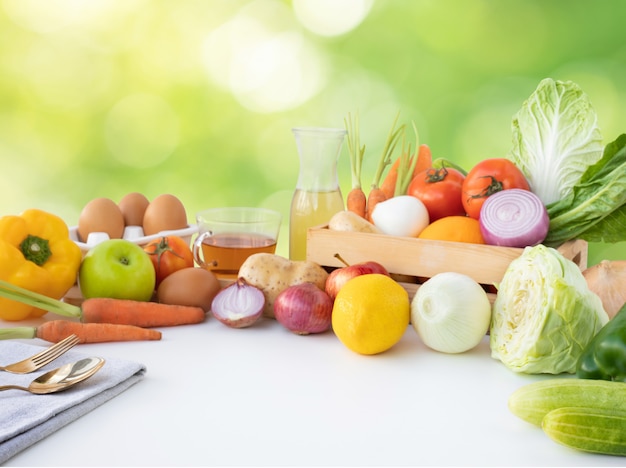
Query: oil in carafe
[[317, 196], [310, 209]]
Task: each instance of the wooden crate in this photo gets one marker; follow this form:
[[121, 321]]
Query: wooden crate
[[412, 260]]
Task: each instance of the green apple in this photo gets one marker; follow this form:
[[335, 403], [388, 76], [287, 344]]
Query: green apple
[[119, 269]]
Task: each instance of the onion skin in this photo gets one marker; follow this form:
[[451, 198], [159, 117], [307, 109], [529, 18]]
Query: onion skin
[[304, 309], [607, 280], [238, 305], [451, 313], [514, 218]]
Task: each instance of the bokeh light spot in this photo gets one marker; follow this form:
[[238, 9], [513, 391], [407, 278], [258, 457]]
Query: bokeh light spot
[[278, 74], [49, 16], [266, 66], [331, 17], [595, 79], [142, 130], [74, 78]]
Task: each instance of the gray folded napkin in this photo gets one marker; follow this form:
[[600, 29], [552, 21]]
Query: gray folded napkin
[[26, 419]]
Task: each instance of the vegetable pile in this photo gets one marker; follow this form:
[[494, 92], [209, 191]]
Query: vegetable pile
[[558, 183], [576, 185], [100, 319], [41, 263], [558, 146], [417, 192]]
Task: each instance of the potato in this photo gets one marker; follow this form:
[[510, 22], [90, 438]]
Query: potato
[[272, 274], [351, 222]]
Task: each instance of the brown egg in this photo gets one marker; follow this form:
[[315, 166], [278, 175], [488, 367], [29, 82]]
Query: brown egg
[[192, 286], [133, 206], [101, 215], [164, 213]]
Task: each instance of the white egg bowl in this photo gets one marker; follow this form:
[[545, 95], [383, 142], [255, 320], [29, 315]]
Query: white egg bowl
[[132, 233]]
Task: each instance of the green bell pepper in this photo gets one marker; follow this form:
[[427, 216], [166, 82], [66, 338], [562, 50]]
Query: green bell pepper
[[604, 358]]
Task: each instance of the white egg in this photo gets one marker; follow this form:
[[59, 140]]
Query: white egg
[[401, 216]]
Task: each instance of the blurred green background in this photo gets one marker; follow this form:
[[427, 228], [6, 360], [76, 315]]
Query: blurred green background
[[197, 98]]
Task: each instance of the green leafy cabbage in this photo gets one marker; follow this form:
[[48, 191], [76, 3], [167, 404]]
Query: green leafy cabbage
[[595, 210], [555, 138], [544, 314]]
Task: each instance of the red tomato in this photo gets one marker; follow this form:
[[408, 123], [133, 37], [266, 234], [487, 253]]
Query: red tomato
[[440, 190], [488, 177], [169, 254]]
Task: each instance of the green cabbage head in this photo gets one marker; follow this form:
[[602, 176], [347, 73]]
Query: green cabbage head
[[544, 314]]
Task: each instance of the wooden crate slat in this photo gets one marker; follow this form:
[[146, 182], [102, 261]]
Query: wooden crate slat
[[486, 264]]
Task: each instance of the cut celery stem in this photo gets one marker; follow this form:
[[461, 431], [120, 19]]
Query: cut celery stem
[[17, 333], [19, 294]]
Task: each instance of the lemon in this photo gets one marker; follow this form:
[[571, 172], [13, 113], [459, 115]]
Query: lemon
[[371, 313]]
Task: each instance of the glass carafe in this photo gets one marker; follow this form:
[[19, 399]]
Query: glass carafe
[[317, 196]]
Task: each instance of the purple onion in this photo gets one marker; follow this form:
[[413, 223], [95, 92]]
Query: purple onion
[[238, 305], [304, 309], [514, 218]]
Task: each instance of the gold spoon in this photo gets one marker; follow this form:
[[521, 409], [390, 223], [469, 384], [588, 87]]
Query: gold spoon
[[61, 377]]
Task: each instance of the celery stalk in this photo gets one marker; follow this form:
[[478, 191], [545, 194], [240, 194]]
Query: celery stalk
[[16, 333], [19, 294]]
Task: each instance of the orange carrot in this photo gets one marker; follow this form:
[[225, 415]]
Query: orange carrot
[[106, 310], [356, 199], [56, 330], [139, 313], [408, 165], [375, 197], [424, 161], [388, 186], [376, 194]]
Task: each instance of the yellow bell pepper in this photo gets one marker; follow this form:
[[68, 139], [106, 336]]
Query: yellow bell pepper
[[37, 254]]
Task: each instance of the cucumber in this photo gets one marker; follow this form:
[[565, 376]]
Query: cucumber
[[533, 401], [588, 429]]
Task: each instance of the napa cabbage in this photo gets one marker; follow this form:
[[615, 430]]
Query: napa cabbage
[[555, 138], [544, 314]]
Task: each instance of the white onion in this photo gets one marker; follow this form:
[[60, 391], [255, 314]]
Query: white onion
[[451, 312], [401, 216]]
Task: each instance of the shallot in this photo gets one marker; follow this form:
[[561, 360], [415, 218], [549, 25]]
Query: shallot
[[238, 305], [304, 309]]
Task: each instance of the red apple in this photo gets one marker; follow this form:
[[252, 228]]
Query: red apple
[[340, 276]]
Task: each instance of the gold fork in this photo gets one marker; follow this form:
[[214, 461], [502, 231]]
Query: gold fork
[[41, 359]]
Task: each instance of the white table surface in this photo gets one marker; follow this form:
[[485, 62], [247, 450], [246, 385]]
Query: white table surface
[[263, 396]]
